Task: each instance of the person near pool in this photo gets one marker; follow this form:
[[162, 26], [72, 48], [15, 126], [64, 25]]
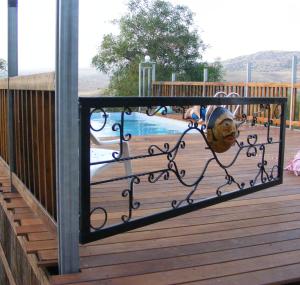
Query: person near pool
[[196, 113]]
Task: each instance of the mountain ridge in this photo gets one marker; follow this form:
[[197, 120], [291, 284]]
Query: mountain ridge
[[263, 61], [267, 66]]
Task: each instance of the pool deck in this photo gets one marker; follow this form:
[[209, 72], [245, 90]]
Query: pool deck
[[251, 240]]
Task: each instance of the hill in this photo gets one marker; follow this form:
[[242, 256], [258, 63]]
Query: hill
[[91, 82], [266, 66], [90, 79]]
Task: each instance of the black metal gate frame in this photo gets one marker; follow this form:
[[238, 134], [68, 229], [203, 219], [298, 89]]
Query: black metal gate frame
[[89, 233]]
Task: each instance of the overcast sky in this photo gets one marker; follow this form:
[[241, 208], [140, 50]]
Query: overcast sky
[[231, 28]]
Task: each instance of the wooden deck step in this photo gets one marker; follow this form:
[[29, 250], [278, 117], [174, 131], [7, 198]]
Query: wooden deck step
[[24, 230], [35, 246]]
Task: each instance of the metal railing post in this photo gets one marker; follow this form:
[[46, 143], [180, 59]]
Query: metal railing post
[[12, 70], [293, 81], [149, 82], [140, 79], [67, 133], [248, 79], [173, 80], [205, 79]]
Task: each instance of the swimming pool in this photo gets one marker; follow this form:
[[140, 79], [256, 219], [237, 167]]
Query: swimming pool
[[138, 124]]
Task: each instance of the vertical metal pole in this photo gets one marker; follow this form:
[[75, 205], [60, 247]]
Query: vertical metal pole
[[149, 82], [153, 72], [173, 80], [205, 79], [67, 133], [248, 79], [293, 81], [173, 76], [205, 74], [12, 68], [282, 140], [140, 80], [143, 82]]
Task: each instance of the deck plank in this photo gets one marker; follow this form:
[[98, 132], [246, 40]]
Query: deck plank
[[250, 240], [223, 244]]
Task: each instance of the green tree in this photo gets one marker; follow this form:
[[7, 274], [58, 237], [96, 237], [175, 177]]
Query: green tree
[[195, 71], [150, 27]]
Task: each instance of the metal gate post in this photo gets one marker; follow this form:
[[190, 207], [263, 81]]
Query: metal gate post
[[12, 70], [67, 135]]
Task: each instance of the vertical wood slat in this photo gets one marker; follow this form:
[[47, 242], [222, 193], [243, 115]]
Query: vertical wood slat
[[51, 135], [32, 144], [25, 138], [1, 124], [40, 153], [17, 134], [43, 148], [21, 136], [6, 125], [3, 129], [29, 141], [35, 145], [48, 152]]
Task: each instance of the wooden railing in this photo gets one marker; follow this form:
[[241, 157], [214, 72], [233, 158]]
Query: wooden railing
[[252, 89], [34, 124], [34, 135], [3, 121]]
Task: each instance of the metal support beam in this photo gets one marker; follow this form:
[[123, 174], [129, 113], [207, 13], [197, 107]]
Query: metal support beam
[[12, 70], [153, 72], [149, 82], [140, 80], [143, 80], [248, 77], [205, 79], [67, 134], [293, 94], [205, 74], [173, 78], [146, 69]]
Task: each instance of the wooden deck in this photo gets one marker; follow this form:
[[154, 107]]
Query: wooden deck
[[251, 240]]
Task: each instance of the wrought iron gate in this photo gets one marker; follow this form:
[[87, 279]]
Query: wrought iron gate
[[269, 119]]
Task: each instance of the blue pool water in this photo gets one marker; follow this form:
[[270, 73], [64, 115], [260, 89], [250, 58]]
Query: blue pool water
[[138, 124]]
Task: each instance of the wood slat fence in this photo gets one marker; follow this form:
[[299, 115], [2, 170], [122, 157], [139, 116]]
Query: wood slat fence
[[34, 123], [34, 134], [252, 89]]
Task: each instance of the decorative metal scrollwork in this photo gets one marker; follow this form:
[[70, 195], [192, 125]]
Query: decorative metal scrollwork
[[253, 148], [133, 205], [104, 219], [103, 115]]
